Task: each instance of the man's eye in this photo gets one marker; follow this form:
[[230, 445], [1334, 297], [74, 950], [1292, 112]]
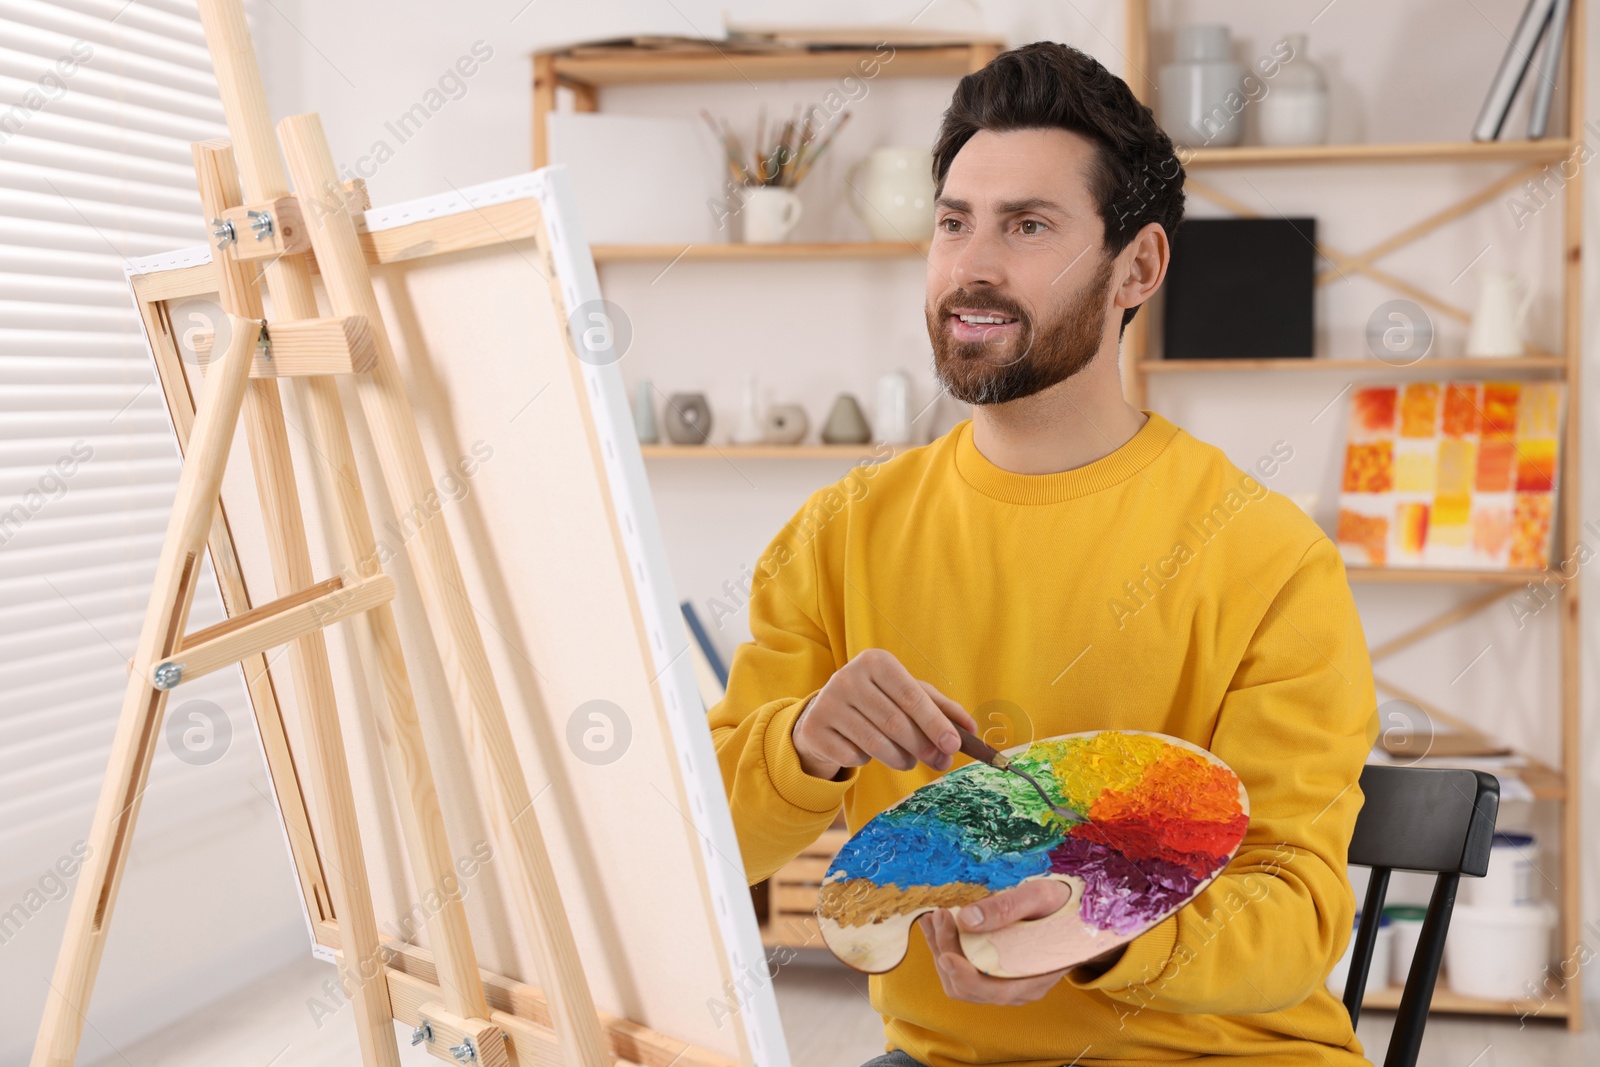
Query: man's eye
[[1031, 226], [951, 225]]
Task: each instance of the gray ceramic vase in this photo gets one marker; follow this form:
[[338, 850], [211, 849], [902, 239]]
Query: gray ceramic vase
[[786, 424], [688, 418], [846, 424]]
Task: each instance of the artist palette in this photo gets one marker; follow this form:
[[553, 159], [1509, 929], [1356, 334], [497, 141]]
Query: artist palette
[[1162, 818]]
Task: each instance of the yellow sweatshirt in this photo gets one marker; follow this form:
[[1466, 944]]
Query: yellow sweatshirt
[[1159, 588]]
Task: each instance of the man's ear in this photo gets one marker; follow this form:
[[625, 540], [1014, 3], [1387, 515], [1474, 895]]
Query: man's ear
[[1142, 266]]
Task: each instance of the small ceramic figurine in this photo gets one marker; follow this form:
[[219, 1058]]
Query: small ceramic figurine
[[846, 424], [786, 424], [688, 418]]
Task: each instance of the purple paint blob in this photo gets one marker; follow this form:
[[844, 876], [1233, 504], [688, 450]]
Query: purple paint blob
[[1119, 895]]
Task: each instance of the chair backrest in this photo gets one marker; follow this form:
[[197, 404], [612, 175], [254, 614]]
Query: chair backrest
[[1429, 819]]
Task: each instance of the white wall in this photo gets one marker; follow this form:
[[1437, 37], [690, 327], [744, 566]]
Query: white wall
[[1401, 71], [208, 904]]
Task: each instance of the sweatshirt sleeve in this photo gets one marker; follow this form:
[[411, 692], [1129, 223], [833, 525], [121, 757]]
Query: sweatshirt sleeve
[[778, 809], [1296, 724]]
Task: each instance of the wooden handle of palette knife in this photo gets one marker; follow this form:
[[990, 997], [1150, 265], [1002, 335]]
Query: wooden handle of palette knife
[[982, 751]]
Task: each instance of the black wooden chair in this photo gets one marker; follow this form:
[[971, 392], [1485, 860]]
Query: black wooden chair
[[1417, 819]]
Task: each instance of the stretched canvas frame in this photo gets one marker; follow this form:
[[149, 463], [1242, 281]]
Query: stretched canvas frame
[[485, 293]]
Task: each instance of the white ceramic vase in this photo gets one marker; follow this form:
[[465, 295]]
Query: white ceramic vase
[[892, 414], [751, 428], [1295, 109]]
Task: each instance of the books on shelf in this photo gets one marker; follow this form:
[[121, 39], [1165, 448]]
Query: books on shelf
[[1541, 19], [1545, 90]]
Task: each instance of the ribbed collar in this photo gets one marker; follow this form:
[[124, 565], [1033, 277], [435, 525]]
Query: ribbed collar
[[1151, 440]]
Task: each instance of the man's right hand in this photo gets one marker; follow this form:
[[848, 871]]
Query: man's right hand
[[872, 708]]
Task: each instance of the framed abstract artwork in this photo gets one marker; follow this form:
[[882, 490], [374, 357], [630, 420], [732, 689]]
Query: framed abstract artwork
[[1451, 474]]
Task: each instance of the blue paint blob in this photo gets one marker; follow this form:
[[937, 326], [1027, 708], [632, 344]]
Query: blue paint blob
[[921, 850]]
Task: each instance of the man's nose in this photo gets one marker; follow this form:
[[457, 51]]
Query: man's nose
[[980, 262]]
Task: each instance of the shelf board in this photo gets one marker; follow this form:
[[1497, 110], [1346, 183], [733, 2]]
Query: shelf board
[[737, 252], [858, 453], [1437, 365], [1548, 150], [1439, 576], [641, 67], [1388, 999], [1542, 779]]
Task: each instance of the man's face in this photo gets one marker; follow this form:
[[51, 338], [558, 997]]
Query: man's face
[[1018, 280]]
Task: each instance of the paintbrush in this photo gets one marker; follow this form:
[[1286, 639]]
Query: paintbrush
[[983, 752]]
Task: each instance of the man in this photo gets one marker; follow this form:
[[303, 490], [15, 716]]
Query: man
[[1064, 562]]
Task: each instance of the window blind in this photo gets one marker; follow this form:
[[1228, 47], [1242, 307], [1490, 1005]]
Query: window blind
[[99, 100]]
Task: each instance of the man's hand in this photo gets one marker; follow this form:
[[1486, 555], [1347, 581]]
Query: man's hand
[[963, 981], [872, 708]]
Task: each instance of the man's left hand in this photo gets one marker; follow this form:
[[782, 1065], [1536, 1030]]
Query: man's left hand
[[963, 981]]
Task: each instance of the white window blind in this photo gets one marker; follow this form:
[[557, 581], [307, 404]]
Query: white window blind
[[99, 101]]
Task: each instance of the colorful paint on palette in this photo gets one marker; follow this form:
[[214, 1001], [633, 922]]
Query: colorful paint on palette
[[1161, 819]]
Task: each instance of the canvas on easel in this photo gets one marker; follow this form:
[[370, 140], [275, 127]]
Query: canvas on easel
[[541, 483]]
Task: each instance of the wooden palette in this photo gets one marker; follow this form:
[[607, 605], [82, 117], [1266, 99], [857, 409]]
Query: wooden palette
[[1163, 818]]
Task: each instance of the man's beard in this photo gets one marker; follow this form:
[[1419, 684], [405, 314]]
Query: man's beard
[[1042, 354]]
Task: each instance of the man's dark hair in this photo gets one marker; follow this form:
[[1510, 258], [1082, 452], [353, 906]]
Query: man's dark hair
[[1135, 178]]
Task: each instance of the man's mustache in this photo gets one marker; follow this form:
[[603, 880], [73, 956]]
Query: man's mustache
[[966, 301]]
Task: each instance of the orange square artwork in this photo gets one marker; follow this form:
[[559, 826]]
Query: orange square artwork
[[1419, 410], [1491, 529], [1456, 474], [1530, 530], [1494, 466], [1499, 409], [1412, 530], [1369, 468], [1368, 533], [1460, 409], [1372, 414], [1536, 466]]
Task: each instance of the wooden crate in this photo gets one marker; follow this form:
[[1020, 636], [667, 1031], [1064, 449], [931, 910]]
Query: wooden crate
[[792, 893]]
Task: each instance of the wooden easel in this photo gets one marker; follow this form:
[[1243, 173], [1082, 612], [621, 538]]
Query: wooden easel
[[245, 189]]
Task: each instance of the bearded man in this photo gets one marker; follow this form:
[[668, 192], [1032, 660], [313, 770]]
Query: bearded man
[[1064, 562]]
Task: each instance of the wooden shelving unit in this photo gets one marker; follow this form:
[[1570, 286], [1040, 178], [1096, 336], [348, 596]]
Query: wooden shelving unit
[[1558, 785], [787, 919], [738, 252], [1488, 368], [586, 71], [1546, 151]]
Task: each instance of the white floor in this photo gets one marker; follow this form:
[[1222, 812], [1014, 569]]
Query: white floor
[[825, 1013]]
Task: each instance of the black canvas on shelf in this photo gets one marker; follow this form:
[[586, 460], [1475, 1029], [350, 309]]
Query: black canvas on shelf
[[1240, 289]]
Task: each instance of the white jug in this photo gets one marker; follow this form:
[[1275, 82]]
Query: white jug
[[894, 198], [1497, 323], [892, 419]]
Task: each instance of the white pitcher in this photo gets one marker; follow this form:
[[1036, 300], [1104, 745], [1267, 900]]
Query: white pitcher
[[894, 198], [1497, 324]]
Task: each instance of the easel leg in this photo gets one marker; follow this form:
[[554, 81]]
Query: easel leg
[[138, 728], [361, 964], [388, 409]]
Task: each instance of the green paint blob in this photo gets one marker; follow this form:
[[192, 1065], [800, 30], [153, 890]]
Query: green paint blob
[[989, 817]]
